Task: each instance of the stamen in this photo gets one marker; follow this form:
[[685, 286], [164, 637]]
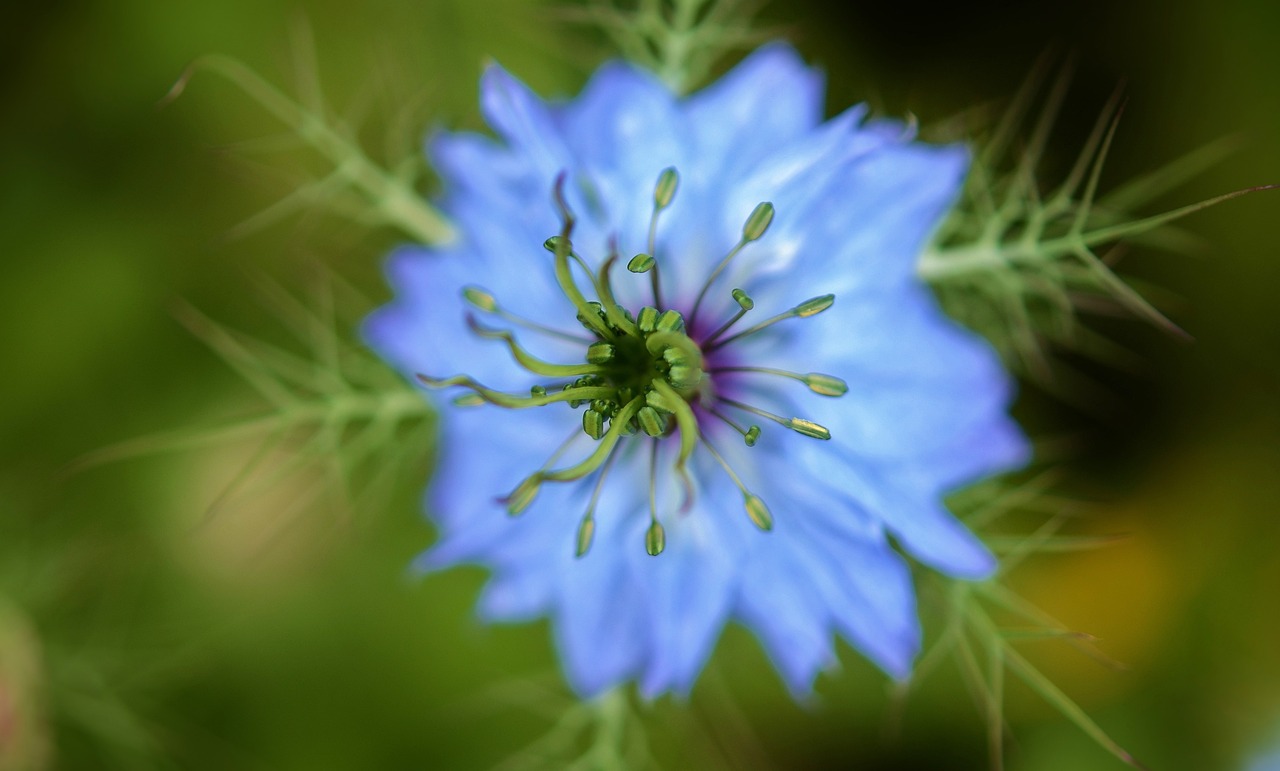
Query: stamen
[[757, 511], [525, 492], [518, 402], [665, 397], [683, 356], [655, 538], [823, 385], [752, 230], [651, 421], [616, 315], [749, 435], [562, 247], [486, 302], [799, 425], [529, 361], [745, 303], [663, 193], [810, 307], [587, 530]]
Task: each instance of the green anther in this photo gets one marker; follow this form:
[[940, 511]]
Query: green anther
[[480, 299], [647, 321], [743, 299], [537, 390], [675, 356], [595, 309], [641, 263], [599, 353], [593, 424], [759, 513], [651, 421], [586, 532], [468, 400], [684, 377], [665, 190], [825, 385], [553, 243], [670, 321], [815, 306], [808, 428], [655, 539], [523, 495], [758, 222], [657, 401], [751, 436]]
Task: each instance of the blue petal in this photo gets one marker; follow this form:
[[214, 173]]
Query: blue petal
[[523, 120], [769, 99]]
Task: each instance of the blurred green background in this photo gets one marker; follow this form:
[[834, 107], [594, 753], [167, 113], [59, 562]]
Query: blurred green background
[[137, 631]]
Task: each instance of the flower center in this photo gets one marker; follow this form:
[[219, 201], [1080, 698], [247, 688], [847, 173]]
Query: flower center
[[642, 373]]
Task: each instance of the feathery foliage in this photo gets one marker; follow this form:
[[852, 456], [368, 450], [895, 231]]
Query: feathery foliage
[[1019, 263]]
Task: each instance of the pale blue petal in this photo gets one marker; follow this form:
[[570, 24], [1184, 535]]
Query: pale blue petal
[[767, 100]]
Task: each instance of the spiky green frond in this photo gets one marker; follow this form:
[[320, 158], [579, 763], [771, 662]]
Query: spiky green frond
[[333, 407], [601, 734], [356, 186], [1019, 261], [679, 40], [985, 650]]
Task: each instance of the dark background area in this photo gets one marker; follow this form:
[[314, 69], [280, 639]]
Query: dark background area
[[136, 634]]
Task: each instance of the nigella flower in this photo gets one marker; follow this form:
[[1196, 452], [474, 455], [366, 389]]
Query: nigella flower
[[690, 352]]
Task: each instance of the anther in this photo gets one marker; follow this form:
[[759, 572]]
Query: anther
[[600, 353], [745, 303], [749, 435], [806, 309], [757, 511], [647, 321], [799, 425], [823, 385], [665, 190], [663, 193], [651, 421], [523, 495], [752, 230], [670, 321], [641, 263], [480, 298], [586, 532], [758, 223], [808, 428], [593, 423], [655, 538], [815, 306]]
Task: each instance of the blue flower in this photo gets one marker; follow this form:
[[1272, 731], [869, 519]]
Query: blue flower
[[671, 489]]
